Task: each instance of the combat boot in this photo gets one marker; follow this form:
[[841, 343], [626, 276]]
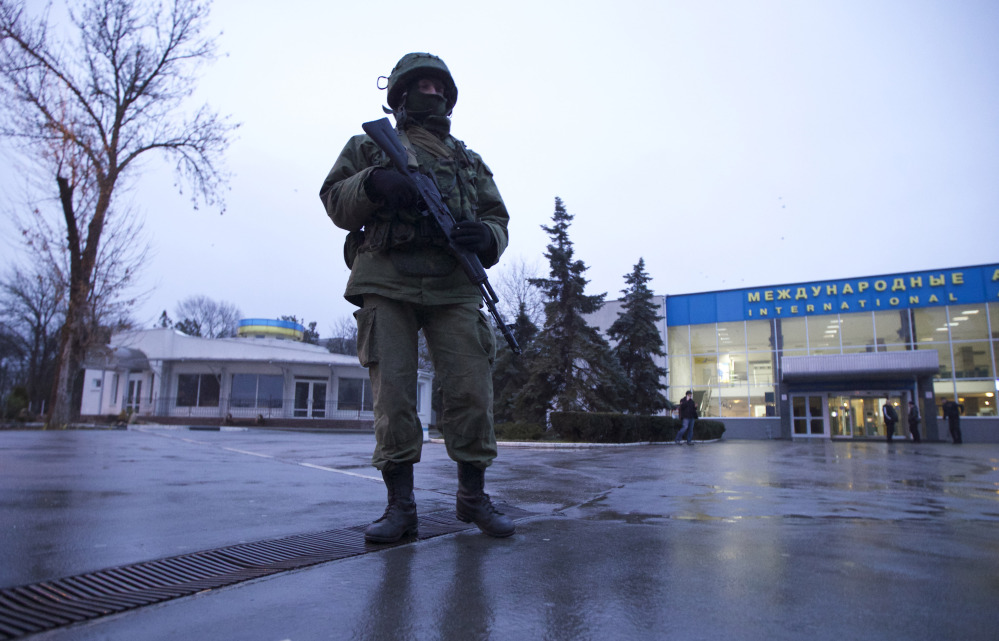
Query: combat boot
[[399, 519], [473, 504]]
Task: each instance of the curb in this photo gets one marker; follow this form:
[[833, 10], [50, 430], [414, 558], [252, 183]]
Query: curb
[[575, 446]]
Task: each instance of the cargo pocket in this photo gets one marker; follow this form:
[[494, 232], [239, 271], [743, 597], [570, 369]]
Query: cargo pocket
[[487, 337], [367, 347]]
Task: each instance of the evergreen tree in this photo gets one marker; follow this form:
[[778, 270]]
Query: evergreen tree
[[510, 373], [310, 335], [639, 343], [188, 326], [571, 365], [164, 320]]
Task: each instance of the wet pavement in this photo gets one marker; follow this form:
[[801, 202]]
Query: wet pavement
[[727, 540]]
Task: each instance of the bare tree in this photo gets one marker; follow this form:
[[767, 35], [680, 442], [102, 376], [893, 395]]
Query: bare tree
[[33, 298], [120, 258], [86, 104], [11, 364], [343, 337], [512, 283], [202, 316], [31, 308]]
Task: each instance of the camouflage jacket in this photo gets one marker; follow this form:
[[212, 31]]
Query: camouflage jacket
[[398, 253]]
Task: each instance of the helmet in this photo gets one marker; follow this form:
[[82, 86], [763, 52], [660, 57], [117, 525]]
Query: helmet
[[414, 66]]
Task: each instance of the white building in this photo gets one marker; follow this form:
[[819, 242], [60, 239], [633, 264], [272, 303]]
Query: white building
[[166, 375], [604, 317]]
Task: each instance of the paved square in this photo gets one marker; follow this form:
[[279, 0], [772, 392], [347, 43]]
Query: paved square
[[734, 539]]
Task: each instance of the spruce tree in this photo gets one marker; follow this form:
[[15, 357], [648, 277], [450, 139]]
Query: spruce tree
[[510, 372], [639, 343], [571, 366]]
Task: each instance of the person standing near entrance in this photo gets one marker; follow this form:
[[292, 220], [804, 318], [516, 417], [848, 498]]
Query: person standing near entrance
[[405, 280], [952, 411], [914, 421], [688, 414], [891, 418]]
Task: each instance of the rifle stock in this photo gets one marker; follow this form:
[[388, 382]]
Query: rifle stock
[[384, 135]]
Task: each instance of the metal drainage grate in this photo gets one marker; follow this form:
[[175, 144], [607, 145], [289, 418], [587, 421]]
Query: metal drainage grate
[[29, 609]]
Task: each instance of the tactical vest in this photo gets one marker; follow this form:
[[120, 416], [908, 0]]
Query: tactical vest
[[413, 241]]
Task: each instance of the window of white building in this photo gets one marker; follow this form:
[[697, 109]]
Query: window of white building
[[198, 390]]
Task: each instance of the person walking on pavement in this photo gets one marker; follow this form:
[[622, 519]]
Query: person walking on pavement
[[914, 421], [952, 411], [890, 417], [688, 414], [405, 279]]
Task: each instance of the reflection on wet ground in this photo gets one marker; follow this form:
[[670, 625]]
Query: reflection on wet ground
[[750, 480]]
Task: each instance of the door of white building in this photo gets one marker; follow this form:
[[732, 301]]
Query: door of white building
[[134, 395], [310, 398]]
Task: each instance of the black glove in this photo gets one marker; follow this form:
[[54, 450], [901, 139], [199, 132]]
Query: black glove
[[391, 188], [473, 236]]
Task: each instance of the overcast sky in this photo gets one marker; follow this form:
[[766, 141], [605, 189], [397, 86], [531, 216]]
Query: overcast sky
[[730, 144]]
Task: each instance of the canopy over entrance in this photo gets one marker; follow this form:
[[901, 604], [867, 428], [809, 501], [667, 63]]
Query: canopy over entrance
[[867, 365]]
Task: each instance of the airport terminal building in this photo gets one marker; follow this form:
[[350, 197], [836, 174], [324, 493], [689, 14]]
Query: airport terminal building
[[820, 359]]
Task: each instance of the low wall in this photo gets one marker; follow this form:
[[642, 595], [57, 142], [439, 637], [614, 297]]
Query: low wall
[[758, 429], [977, 429]]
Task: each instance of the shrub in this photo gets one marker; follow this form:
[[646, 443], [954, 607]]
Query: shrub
[[17, 404], [595, 427], [708, 430], [519, 432]]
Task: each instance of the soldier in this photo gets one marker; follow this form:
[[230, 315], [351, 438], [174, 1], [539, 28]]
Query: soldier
[[404, 279]]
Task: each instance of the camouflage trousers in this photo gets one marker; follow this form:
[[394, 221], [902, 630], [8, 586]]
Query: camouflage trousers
[[462, 349]]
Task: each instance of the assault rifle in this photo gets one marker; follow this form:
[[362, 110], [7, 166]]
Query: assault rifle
[[430, 204]]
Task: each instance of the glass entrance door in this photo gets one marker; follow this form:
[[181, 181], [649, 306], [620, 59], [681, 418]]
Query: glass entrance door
[[859, 415], [132, 401], [808, 416], [310, 399]]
